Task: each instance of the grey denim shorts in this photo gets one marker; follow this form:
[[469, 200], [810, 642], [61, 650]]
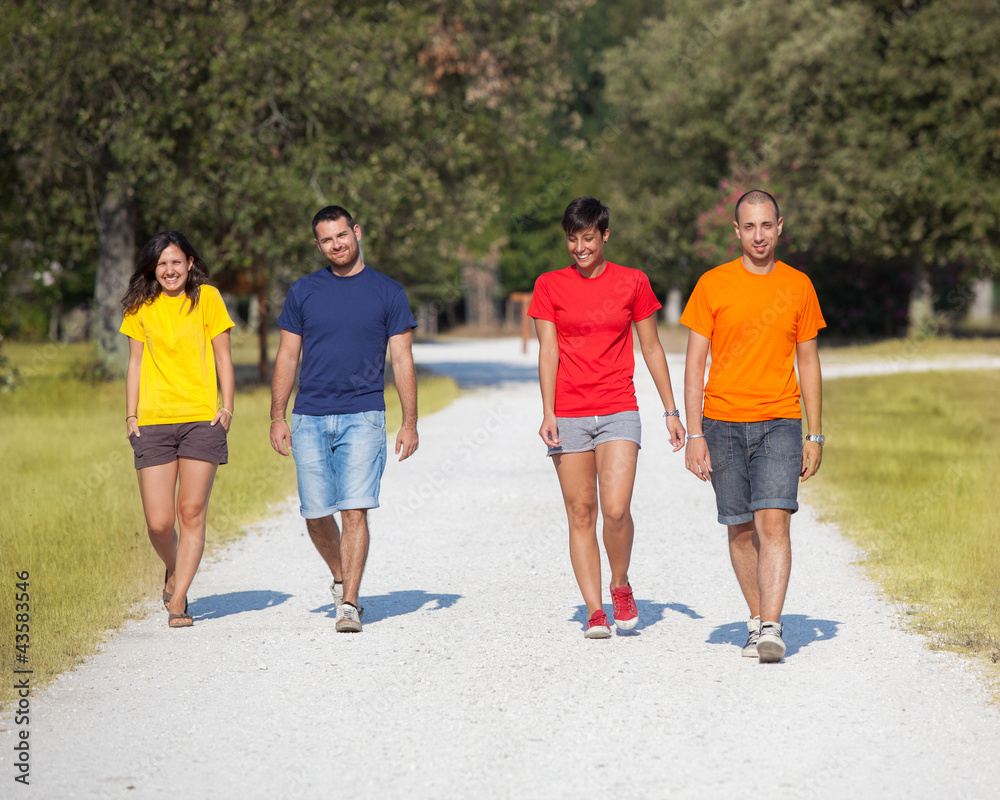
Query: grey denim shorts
[[755, 465], [580, 434]]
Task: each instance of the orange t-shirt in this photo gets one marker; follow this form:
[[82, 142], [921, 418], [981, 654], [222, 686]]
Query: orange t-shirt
[[754, 322]]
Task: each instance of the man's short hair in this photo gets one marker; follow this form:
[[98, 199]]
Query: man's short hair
[[755, 197], [585, 213], [332, 214]]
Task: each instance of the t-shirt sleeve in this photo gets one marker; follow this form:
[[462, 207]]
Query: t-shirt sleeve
[[645, 303], [810, 319], [132, 327], [698, 315], [217, 319], [291, 314], [400, 318], [540, 306]]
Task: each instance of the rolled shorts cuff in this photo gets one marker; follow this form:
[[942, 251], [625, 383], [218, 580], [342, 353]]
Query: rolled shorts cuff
[[775, 502], [742, 519]]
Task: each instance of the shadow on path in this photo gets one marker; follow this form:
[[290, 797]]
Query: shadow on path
[[395, 604], [483, 373], [798, 631], [650, 613], [216, 606]]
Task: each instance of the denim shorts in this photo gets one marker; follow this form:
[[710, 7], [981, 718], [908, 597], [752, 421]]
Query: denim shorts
[[755, 465], [580, 434], [164, 443], [339, 460]]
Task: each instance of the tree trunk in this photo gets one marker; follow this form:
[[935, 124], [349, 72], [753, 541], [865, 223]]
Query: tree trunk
[[115, 261], [921, 307]]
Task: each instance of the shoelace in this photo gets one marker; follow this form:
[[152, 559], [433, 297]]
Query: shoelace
[[621, 600], [599, 619]]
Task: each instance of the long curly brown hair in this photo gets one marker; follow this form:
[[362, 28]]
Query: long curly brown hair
[[143, 286]]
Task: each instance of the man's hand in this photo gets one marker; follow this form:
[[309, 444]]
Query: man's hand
[[280, 433], [407, 441], [697, 459], [812, 455]]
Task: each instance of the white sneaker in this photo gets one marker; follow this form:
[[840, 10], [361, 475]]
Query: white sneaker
[[337, 590], [349, 618], [753, 634], [770, 647]]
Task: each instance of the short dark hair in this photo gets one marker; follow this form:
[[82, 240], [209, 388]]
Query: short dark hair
[[755, 197], [585, 213], [332, 214]]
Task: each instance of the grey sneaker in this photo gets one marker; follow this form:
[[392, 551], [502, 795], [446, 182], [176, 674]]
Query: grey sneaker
[[753, 634], [770, 647], [337, 590], [349, 618]]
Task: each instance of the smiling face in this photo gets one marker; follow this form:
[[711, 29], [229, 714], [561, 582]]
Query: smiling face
[[339, 242], [172, 270], [758, 230], [587, 248]]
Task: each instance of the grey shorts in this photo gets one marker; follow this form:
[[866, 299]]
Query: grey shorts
[[161, 444], [755, 465], [580, 434]]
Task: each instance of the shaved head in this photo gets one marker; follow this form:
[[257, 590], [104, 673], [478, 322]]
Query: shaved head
[[756, 197]]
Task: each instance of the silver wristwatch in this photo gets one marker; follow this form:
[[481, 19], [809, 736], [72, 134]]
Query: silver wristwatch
[[818, 439]]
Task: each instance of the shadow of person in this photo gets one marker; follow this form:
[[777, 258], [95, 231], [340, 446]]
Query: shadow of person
[[650, 613], [216, 606], [798, 631], [395, 604]]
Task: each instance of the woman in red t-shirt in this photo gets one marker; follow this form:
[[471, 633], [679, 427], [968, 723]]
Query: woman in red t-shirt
[[583, 317]]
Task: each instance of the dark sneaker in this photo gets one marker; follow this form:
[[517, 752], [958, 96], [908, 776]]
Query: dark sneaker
[[770, 647], [597, 626], [753, 634], [349, 618], [625, 614]]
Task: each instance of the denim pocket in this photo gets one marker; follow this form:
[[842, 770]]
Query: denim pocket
[[376, 419], [718, 437], [784, 439]]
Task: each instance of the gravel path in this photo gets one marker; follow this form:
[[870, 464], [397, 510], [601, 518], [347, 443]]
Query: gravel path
[[472, 677]]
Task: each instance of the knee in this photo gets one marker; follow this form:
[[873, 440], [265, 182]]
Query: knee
[[160, 529], [581, 515], [191, 514], [616, 517]]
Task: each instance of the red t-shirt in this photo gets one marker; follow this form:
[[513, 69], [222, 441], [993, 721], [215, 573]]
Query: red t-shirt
[[593, 319]]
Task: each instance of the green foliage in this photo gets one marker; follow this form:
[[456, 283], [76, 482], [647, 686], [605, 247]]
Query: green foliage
[[876, 122], [235, 122]]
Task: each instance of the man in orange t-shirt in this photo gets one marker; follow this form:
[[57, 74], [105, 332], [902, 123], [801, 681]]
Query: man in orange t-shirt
[[757, 316]]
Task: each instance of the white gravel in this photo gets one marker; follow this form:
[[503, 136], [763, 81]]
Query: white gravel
[[472, 677]]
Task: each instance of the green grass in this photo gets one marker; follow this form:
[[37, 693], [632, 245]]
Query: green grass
[[70, 513], [910, 473]]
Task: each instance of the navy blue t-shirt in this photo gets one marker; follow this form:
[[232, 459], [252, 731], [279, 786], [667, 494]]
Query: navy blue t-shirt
[[345, 325]]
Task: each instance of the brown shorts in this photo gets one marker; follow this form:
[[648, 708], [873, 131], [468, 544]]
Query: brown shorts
[[161, 444]]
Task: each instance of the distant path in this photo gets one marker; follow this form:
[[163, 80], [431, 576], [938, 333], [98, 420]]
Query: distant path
[[472, 678]]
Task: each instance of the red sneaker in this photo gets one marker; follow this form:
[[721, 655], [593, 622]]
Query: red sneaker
[[625, 613], [597, 626]]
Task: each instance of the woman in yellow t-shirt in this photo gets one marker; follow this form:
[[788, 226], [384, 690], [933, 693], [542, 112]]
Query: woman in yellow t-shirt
[[178, 330]]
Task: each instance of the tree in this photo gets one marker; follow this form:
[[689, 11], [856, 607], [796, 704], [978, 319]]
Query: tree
[[236, 121], [876, 121]]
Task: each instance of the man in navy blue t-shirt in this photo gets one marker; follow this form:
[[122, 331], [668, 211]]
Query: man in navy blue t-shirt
[[340, 319]]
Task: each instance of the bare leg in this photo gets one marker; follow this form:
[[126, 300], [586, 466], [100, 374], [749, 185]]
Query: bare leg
[[325, 536], [743, 550], [774, 563], [195, 479], [353, 550], [616, 463], [577, 474], [157, 486]]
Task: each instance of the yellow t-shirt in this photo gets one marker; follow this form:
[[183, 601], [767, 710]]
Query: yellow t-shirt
[[177, 382], [754, 322]]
